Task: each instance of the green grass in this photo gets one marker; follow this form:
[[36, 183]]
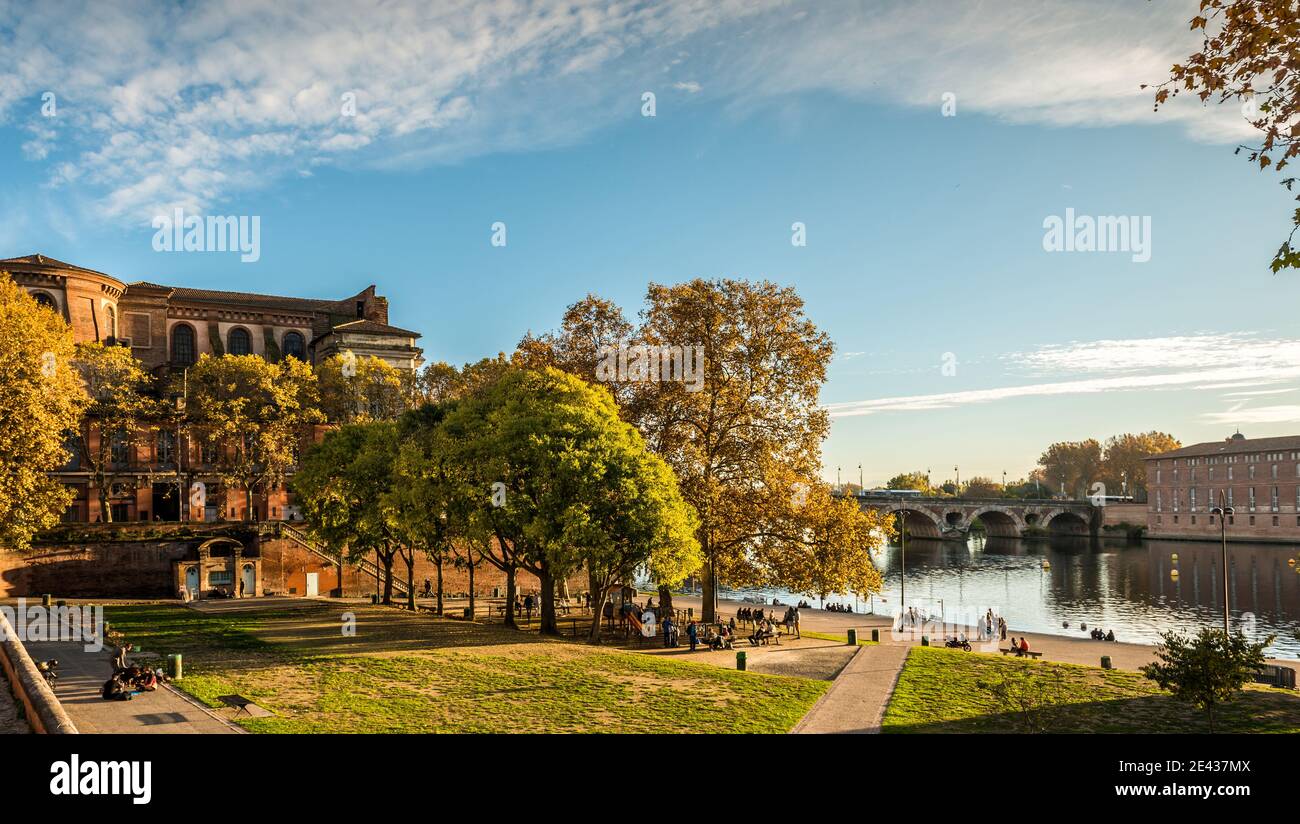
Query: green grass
[[843, 639], [407, 673], [940, 691]]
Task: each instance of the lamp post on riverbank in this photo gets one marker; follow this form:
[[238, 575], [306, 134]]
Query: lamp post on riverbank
[[902, 563], [1223, 511]]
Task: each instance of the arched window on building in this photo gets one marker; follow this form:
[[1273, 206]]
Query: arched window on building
[[183, 344], [293, 346], [110, 315], [46, 300], [238, 343]]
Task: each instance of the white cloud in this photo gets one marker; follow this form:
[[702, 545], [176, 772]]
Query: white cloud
[[1197, 362], [1261, 415], [192, 104]]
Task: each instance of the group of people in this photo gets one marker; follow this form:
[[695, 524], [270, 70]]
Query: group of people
[[1020, 647], [991, 626], [1099, 635], [129, 680], [839, 607]]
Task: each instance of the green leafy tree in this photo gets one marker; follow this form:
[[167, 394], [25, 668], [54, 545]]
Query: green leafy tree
[[1207, 669], [563, 482], [116, 419], [345, 485], [254, 414], [982, 487], [917, 480], [41, 401]]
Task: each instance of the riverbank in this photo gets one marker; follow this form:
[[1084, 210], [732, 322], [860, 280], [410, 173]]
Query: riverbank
[[1060, 648]]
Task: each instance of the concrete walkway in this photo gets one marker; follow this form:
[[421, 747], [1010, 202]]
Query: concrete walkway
[[81, 676], [856, 701]]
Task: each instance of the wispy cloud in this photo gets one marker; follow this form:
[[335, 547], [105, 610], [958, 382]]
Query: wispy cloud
[[1198, 362], [191, 104]]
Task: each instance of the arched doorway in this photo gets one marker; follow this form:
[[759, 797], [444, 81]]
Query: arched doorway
[[248, 581]]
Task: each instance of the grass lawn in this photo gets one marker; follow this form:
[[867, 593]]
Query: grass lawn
[[863, 637], [405, 673], [940, 690]]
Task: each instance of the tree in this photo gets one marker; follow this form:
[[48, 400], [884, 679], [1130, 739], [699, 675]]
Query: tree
[[982, 487], [41, 401], [345, 485], [356, 390], [1073, 465], [1124, 460], [1207, 669], [756, 410], [561, 481], [430, 490], [253, 414], [115, 383], [917, 480], [322, 488], [821, 545], [1249, 53]]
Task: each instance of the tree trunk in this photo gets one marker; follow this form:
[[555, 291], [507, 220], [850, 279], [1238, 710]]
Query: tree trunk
[[388, 578], [708, 612], [510, 597], [473, 606], [340, 566], [437, 563], [599, 594], [548, 627], [409, 557], [105, 510], [665, 601]]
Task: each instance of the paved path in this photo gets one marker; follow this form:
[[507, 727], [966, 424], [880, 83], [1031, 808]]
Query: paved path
[[856, 701], [81, 676]]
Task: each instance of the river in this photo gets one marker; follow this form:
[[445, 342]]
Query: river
[[1123, 586]]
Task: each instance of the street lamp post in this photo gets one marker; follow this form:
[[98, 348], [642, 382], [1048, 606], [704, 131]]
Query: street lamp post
[[1224, 511], [902, 563], [958, 471]]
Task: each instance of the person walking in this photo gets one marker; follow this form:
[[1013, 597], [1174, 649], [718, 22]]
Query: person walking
[[693, 634], [795, 616]]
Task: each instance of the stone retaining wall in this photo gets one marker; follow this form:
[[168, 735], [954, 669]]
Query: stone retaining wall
[[44, 712]]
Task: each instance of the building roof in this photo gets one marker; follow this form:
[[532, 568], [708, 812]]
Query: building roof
[[42, 260], [371, 327], [245, 298], [1238, 444]]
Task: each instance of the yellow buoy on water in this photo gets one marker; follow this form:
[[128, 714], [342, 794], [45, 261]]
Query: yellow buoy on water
[[1047, 564], [1291, 561], [1174, 557], [1173, 573]]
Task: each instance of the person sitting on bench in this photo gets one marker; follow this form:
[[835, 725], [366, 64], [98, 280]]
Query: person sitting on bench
[[1024, 645]]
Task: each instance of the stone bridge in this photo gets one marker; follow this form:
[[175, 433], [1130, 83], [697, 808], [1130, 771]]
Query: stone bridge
[[951, 518]]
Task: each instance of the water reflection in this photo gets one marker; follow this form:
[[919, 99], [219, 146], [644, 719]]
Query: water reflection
[[1122, 586]]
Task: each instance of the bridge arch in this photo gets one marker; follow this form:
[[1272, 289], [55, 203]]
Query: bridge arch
[[918, 521], [1000, 521], [1065, 522]]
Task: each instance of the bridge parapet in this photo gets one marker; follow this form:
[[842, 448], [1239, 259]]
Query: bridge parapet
[[952, 518]]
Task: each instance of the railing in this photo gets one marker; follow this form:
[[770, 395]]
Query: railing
[[367, 567]]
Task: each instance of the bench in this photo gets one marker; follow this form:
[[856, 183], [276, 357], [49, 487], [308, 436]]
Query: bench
[[1018, 653]]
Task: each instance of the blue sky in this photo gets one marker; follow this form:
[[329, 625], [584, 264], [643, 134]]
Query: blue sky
[[925, 232]]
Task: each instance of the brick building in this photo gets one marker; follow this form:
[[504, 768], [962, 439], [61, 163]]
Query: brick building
[[1258, 478], [168, 328]]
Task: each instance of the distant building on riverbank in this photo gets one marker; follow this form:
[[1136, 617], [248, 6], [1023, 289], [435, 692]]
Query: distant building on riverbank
[[1259, 479]]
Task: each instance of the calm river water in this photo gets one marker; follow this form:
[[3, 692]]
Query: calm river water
[[1122, 586]]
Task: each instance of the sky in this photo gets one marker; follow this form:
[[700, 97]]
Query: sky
[[925, 147]]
